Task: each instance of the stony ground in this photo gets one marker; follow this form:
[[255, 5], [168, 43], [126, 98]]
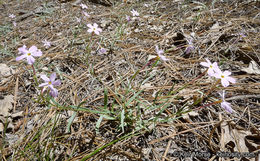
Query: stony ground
[[124, 104]]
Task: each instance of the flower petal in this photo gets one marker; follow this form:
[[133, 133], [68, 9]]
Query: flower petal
[[218, 71], [227, 73], [90, 30], [52, 77], [208, 61], [57, 83], [232, 80], [226, 106], [211, 72], [30, 60], [33, 49], [45, 78], [21, 57], [215, 65], [224, 82], [96, 32], [99, 29], [163, 58], [51, 86], [205, 64], [54, 92], [23, 50], [37, 53], [95, 25], [44, 84]]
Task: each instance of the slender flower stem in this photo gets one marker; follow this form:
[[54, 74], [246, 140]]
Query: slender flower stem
[[213, 103], [212, 88], [87, 47], [149, 63], [199, 100], [34, 76]]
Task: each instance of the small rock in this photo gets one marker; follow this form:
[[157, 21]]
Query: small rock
[[5, 73], [6, 105], [17, 114]]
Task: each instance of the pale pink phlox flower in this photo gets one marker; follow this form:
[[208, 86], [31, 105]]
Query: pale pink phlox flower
[[211, 67], [28, 54], [94, 28], [224, 104], [134, 13], [12, 16], [102, 51], [160, 52], [128, 18], [241, 36], [50, 83], [190, 47], [224, 76], [83, 6], [85, 14], [46, 44]]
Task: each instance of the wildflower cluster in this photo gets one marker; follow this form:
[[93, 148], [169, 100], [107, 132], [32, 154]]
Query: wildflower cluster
[[29, 55], [225, 78], [135, 14], [214, 71], [12, 16]]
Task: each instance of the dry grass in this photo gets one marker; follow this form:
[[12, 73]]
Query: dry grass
[[146, 117]]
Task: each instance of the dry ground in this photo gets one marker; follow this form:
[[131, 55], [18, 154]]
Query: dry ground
[[121, 117]]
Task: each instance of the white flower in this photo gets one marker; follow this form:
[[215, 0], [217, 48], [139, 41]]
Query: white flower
[[224, 104], [134, 13], [94, 28], [86, 14], [28, 54], [102, 51], [83, 6], [128, 18], [160, 52], [224, 76], [12, 16], [50, 82], [46, 44], [212, 67]]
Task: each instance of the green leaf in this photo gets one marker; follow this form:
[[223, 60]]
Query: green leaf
[[98, 123], [109, 117], [132, 98], [70, 121]]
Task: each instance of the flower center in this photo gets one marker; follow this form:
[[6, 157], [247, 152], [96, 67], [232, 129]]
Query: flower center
[[210, 66], [29, 54], [222, 76], [49, 83]]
